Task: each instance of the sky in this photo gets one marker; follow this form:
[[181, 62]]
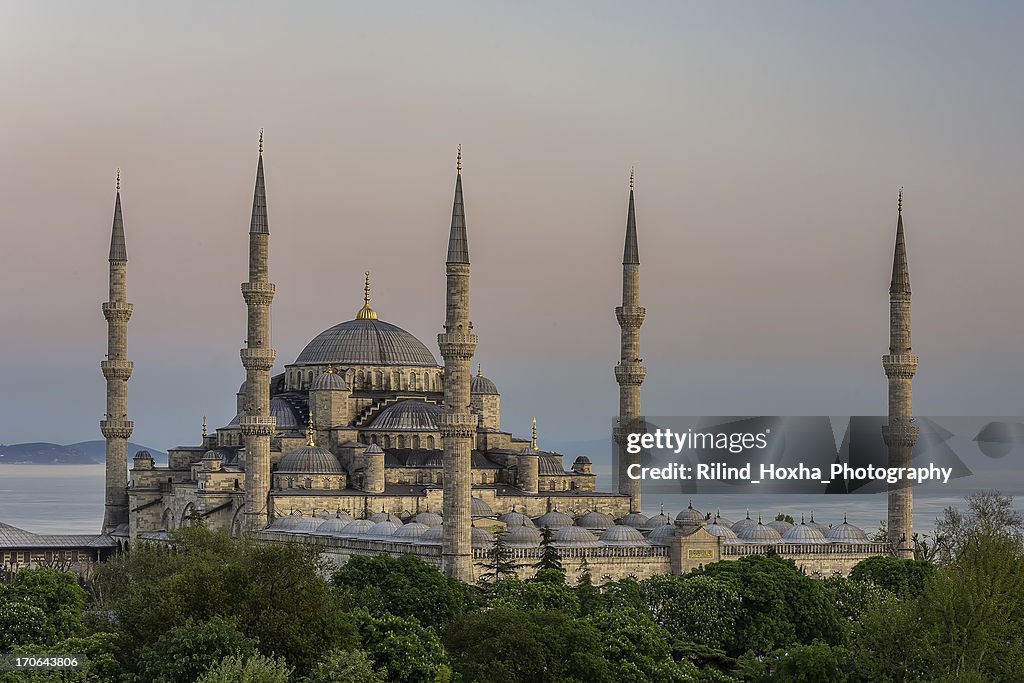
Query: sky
[[769, 141]]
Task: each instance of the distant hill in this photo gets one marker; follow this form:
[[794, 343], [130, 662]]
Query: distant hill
[[82, 453]]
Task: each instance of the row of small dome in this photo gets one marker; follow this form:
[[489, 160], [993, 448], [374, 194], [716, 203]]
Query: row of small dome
[[749, 530]]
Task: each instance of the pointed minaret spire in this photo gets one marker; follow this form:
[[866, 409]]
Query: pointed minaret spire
[[458, 243], [900, 283], [631, 253], [117, 369], [259, 225]]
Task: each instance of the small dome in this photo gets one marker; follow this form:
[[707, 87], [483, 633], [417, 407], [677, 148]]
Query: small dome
[[620, 534], [514, 519], [522, 536], [307, 525], [657, 521], [823, 528], [335, 524], [329, 381], [482, 538], [635, 520], [374, 449], [288, 418], [574, 536], [553, 520], [780, 525], [384, 517], [744, 523], [721, 531], [432, 536], [582, 459], [365, 342], [846, 533], [430, 519], [409, 415], [662, 535], [481, 385], [383, 529], [310, 460], [690, 517], [286, 522], [208, 455], [722, 521], [411, 530], [594, 520], [759, 533], [479, 508], [143, 453], [802, 533], [356, 528]]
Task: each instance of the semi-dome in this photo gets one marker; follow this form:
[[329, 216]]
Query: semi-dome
[[482, 385], [846, 533], [802, 533], [307, 525], [553, 520], [595, 521], [310, 460], [522, 536], [335, 524], [365, 341], [620, 534], [635, 520], [662, 535], [411, 530], [430, 519], [721, 531], [410, 415], [574, 536], [758, 533], [478, 508], [743, 524], [356, 528], [329, 381]]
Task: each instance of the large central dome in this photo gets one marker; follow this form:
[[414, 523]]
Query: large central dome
[[365, 341]]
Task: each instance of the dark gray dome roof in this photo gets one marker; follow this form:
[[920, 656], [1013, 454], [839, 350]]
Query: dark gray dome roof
[[285, 522], [657, 521], [620, 534], [662, 535], [690, 517], [335, 524], [823, 528], [780, 525], [356, 528], [804, 533], [554, 520], [310, 460], [635, 520], [410, 415], [307, 525], [549, 465], [365, 342], [720, 531], [287, 416], [596, 520], [411, 530], [745, 523], [522, 537], [329, 381], [384, 517], [383, 529], [482, 385], [846, 533], [478, 508], [482, 538], [432, 536], [574, 536], [759, 533], [430, 519], [514, 519]]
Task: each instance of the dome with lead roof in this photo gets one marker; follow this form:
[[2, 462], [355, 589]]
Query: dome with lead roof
[[356, 528], [309, 460], [478, 508], [574, 537], [430, 519], [759, 533], [514, 519], [307, 525], [383, 529], [662, 535], [846, 533], [482, 385], [635, 520], [743, 524], [286, 522], [409, 415], [335, 524], [620, 534], [329, 381], [802, 533], [595, 521], [366, 341], [482, 538], [553, 520], [411, 530], [522, 536], [721, 531]]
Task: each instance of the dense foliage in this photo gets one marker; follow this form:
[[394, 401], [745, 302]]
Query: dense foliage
[[215, 610]]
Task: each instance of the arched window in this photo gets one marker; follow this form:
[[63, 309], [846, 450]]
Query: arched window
[[291, 483], [401, 441], [416, 441], [430, 441], [387, 441]]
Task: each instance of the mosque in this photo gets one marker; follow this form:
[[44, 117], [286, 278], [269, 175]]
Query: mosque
[[367, 444]]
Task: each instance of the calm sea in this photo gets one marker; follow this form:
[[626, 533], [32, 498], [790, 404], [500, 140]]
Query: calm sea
[[54, 499]]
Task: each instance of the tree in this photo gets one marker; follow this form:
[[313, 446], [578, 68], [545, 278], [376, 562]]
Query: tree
[[814, 663], [182, 654], [894, 574], [504, 645], [254, 669], [21, 623], [58, 594], [346, 666], [409, 652], [696, 609], [406, 587], [549, 556], [784, 518], [542, 594], [637, 649], [499, 562], [988, 513]]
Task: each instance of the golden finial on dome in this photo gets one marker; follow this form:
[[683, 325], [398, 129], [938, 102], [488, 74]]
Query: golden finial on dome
[[631, 178], [118, 182], [534, 443], [310, 436], [330, 369], [261, 142], [204, 426], [479, 370], [458, 161], [366, 313]]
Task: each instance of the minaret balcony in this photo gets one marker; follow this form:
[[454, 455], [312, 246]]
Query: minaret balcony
[[457, 346], [630, 317], [630, 373], [900, 432], [258, 358], [902, 365], [117, 311], [117, 369], [258, 293], [257, 425], [457, 425], [116, 429]]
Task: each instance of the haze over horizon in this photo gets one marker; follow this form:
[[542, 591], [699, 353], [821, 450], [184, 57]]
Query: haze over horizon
[[769, 143]]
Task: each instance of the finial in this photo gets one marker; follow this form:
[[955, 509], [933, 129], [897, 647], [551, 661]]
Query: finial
[[479, 369], [330, 369], [812, 516], [899, 207], [535, 434], [748, 513], [366, 313], [118, 185], [458, 161], [801, 519], [261, 142], [310, 436], [758, 517], [631, 178], [662, 508], [844, 517], [204, 426], [689, 506]]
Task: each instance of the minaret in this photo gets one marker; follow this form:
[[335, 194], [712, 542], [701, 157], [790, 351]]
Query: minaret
[[900, 365], [257, 424], [116, 427], [629, 372], [457, 423]]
